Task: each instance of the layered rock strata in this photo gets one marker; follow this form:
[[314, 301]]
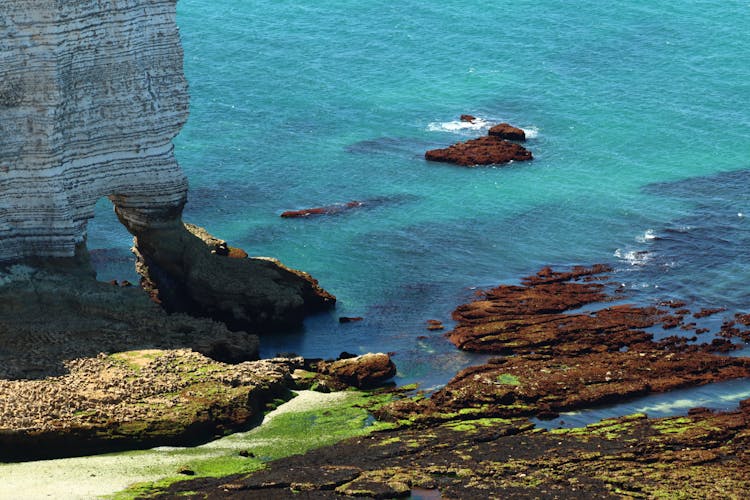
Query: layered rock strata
[[91, 97]]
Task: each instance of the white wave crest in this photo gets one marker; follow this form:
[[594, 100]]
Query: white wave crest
[[531, 132], [458, 125], [648, 235], [633, 257]]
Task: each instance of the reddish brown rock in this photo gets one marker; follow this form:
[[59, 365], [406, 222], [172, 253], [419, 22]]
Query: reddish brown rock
[[329, 210], [563, 359], [368, 370], [350, 319], [434, 325], [482, 151], [508, 131], [468, 118]]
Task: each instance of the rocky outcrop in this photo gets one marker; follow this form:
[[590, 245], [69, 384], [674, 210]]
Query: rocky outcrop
[[135, 399], [91, 96], [703, 454], [365, 371], [486, 150], [507, 131], [183, 271], [558, 358]]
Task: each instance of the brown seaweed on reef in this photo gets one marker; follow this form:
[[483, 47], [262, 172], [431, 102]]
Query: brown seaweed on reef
[[558, 357], [472, 438]]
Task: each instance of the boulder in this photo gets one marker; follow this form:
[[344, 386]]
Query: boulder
[[368, 370], [507, 131]]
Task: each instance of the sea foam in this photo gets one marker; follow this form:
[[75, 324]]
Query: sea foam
[[458, 125]]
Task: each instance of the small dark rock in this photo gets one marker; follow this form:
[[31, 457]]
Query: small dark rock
[[346, 319], [186, 471]]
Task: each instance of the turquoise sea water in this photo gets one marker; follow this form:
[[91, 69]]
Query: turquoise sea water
[[640, 128]]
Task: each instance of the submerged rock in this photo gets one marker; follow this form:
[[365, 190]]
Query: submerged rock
[[329, 210]]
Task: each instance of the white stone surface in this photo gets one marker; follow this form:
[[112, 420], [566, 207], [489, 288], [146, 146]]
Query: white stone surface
[[92, 93]]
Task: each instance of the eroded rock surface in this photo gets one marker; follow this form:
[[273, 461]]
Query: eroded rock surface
[[91, 95], [183, 271], [561, 358], [481, 151], [135, 399], [471, 440], [699, 456]]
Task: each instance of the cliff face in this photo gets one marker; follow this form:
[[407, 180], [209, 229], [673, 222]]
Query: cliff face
[[92, 93], [91, 96]]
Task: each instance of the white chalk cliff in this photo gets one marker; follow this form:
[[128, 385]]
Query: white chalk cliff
[[91, 95]]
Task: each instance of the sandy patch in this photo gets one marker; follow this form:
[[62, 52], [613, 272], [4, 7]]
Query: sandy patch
[[96, 476]]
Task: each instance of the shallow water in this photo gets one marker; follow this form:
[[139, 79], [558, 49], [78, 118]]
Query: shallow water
[[638, 125]]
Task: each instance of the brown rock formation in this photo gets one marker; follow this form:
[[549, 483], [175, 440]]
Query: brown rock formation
[[563, 360], [368, 370], [507, 131], [482, 151], [181, 268]]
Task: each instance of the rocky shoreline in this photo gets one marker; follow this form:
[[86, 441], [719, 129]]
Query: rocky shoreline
[[104, 368], [474, 439]]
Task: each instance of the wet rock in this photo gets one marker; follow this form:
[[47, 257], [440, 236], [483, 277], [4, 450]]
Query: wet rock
[[350, 319], [482, 151], [468, 118], [434, 325], [329, 210], [563, 359], [257, 294], [507, 131], [368, 370]]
